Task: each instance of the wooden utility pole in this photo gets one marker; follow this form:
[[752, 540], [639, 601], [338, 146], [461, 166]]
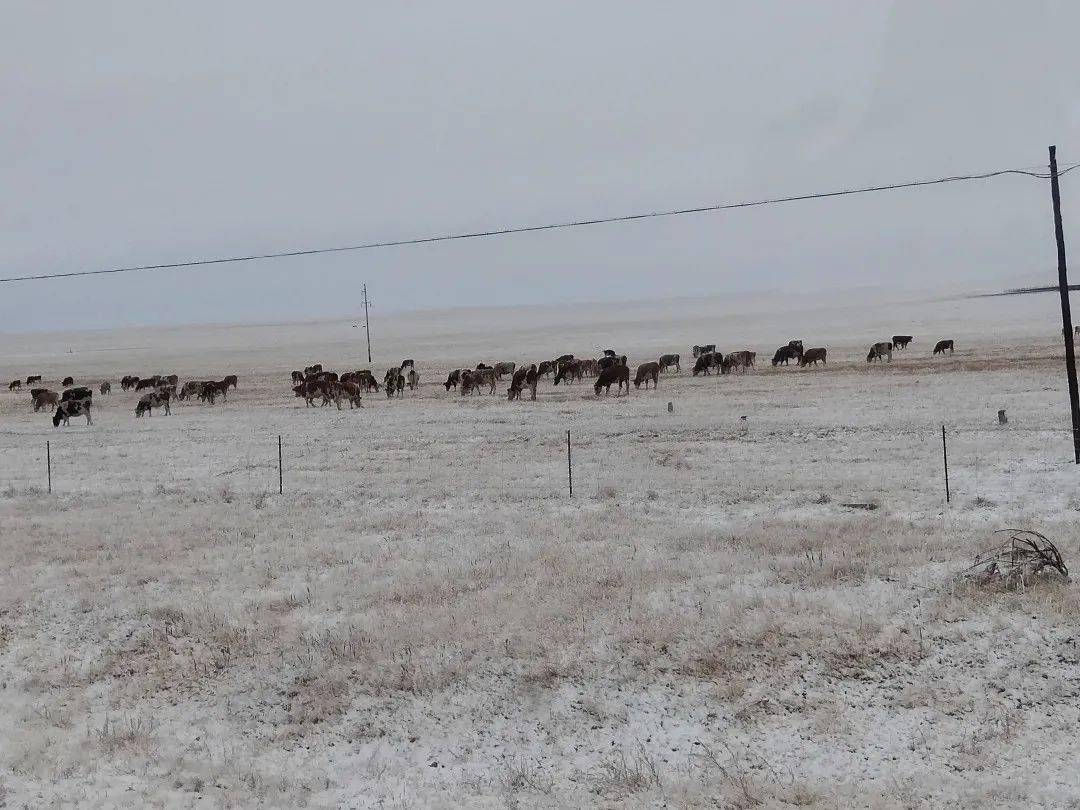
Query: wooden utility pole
[[1066, 311], [367, 325]]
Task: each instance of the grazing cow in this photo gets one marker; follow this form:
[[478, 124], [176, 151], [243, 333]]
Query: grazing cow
[[191, 388], [708, 348], [485, 376], [453, 379], [522, 377], [703, 363], [297, 377], [589, 367], [14, 384], [43, 398], [211, 390], [311, 389], [221, 388], [33, 378], [901, 341], [565, 358], [570, 371], [502, 369], [741, 360], [472, 380], [879, 351], [942, 345], [646, 372], [106, 387], [68, 381], [364, 377], [128, 381], [155, 399], [346, 390], [813, 356], [148, 382], [72, 407], [784, 354], [546, 367], [394, 381], [406, 363], [466, 380], [413, 379], [610, 360], [77, 393], [668, 360], [619, 373]]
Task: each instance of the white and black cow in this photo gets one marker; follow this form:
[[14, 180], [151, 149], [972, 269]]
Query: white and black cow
[[72, 407]]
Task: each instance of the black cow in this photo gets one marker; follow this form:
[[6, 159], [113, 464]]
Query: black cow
[[77, 393], [68, 381], [785, 354], [33, 378], [453, 379], [942, 345], [901, 341], [615, 374], [668, 360]]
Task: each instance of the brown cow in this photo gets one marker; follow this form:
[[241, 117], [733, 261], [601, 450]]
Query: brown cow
[[312, 389], [813, 356], [571, 371], [645, 372], [453, 379], [522, 377], [44, 398], [880, 350], [394, 381], [349, 391]]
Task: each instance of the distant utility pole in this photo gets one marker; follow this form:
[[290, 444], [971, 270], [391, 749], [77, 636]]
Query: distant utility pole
[[1066, 311], [367, 330]]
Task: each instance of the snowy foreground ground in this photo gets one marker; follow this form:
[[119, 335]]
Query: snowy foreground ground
[[426, 618]]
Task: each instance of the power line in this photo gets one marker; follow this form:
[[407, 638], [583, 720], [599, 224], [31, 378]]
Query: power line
[[535, 228]]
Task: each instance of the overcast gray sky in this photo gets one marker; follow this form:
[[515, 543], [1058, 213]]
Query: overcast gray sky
[[138, 133]]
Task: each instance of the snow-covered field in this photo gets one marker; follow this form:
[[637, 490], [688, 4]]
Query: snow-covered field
[[426, 618]]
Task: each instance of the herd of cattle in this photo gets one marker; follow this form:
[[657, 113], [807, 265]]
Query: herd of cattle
[[315, 384], [79, 401]]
